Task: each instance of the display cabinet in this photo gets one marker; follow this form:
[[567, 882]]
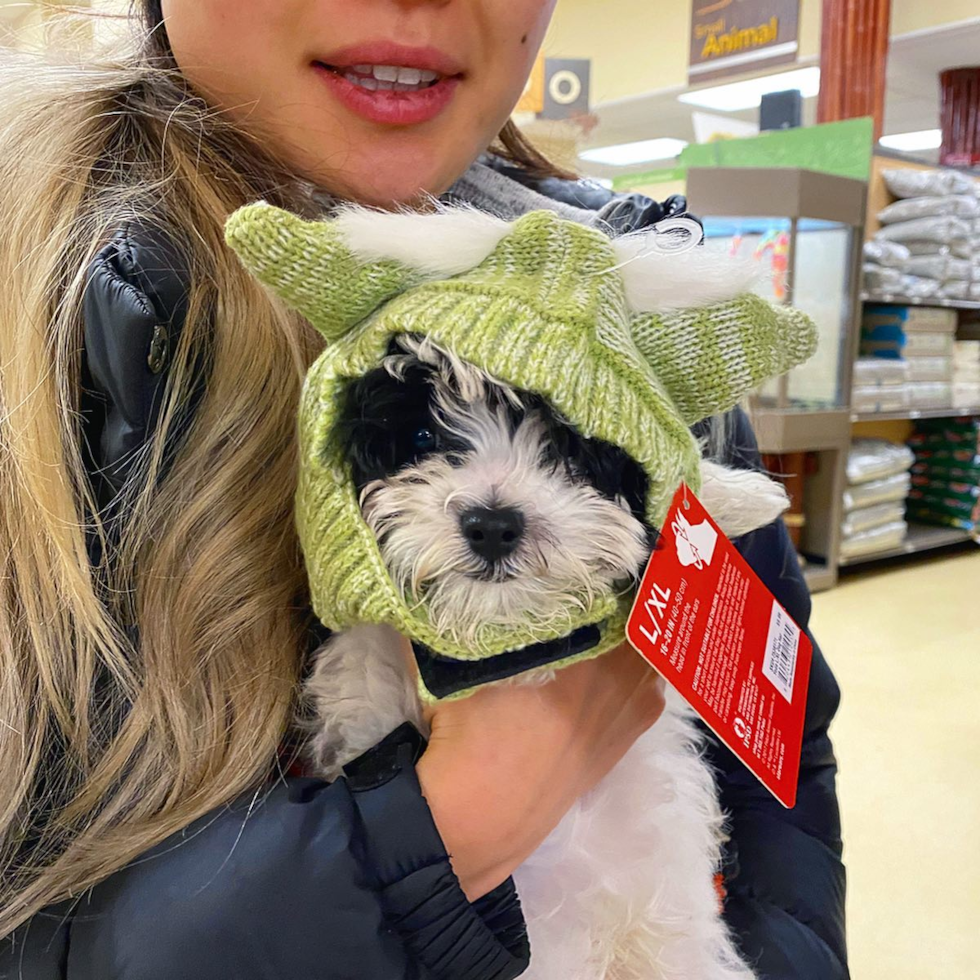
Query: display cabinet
[[806, 231]]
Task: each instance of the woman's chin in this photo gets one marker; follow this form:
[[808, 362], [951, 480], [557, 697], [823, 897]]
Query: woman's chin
[[391, 178]]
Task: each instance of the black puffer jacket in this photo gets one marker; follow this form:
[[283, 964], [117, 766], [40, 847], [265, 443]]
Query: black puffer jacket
[[351, 880]]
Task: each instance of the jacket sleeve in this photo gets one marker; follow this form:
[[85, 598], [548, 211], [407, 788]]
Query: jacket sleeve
[[785, 878], [134, 309], [304, 879]]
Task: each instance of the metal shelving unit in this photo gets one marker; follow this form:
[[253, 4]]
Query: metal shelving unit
[[819, 577], [890, 298], [915, 413], [921, 537], [784, 427]]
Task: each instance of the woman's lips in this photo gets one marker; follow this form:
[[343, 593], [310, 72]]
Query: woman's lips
[[380, 103], [386, 106]]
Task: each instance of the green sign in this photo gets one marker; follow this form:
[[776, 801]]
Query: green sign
[[843, 148], [666, 175]]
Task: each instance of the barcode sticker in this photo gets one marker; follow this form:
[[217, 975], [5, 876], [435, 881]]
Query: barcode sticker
[[782, 644]]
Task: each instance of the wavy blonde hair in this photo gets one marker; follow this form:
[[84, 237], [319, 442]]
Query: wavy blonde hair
[[108, 743]]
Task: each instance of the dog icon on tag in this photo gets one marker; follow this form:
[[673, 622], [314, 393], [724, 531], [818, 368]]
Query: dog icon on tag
[[695, 542]]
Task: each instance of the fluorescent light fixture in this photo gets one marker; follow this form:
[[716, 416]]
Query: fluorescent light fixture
[[748, 94], [925, 139], [623, 154]]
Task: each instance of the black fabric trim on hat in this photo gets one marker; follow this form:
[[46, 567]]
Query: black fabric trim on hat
[[444, 676]]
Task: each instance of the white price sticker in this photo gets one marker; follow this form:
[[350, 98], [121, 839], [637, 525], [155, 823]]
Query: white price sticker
[[782, 644]]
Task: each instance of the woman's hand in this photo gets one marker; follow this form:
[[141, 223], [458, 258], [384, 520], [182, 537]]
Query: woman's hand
[[504, 765]]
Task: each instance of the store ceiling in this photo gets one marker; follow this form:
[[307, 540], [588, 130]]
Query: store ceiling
[[912, 98]]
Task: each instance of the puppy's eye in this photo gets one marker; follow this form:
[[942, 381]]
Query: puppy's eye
[[424, 440]]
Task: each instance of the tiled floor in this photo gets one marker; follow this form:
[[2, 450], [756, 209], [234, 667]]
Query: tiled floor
[[905, 645]]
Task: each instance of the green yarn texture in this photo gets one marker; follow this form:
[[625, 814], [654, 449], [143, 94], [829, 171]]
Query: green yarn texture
[[545, 312]]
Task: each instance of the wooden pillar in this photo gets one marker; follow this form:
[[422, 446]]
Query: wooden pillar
[[961, 117], [853, 55]]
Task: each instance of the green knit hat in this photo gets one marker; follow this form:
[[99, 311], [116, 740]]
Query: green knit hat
[[632, 346]]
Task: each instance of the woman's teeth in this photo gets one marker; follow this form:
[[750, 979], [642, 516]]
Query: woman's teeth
[[389, 78]]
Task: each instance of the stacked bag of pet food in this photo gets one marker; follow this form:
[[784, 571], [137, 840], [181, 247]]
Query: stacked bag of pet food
[[880, 384], [878, 483], [929, 243], [946, 474], [966, 374], [917, 342]]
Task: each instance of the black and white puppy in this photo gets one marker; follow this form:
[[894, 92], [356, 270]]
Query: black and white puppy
[[492, 509], [484, 501]]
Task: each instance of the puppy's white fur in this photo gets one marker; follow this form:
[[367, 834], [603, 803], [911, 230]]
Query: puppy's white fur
[[740, 500], [622, 889]]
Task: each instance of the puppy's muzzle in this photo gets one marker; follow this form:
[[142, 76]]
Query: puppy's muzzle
[[493, 533]]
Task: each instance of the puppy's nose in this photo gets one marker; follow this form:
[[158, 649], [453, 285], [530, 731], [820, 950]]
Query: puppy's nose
[[492, 532]]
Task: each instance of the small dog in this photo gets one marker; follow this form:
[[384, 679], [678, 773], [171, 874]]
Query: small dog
[[490, 508]]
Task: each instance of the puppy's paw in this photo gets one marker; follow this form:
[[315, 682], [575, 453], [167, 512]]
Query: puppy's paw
[[740, 500], [359, 690]]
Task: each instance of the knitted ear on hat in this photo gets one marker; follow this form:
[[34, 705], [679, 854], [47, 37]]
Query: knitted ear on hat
[[311, 267], [338, 271], [709, 357]]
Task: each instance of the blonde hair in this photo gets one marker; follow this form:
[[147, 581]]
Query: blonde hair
[[110, 743], [140, 694]]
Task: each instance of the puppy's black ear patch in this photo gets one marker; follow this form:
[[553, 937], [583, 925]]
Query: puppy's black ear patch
[[611, 470], [377, 421], [614, 473]]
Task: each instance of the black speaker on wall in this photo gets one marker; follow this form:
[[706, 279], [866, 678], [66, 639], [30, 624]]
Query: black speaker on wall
[[781, 110]]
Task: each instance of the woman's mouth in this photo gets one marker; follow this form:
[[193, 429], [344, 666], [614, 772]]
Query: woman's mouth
[[392, 93], [388, 78]]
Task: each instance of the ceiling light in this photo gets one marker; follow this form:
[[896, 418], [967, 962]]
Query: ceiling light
[[623, 154], [925, 139], [748, 94]]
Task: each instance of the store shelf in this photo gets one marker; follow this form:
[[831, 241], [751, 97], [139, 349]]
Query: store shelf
[[787, 430], [954, 304], [921, 537], [915, 413], [819, 578]]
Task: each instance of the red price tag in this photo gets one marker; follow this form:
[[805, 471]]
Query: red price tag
[[706, 622]]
